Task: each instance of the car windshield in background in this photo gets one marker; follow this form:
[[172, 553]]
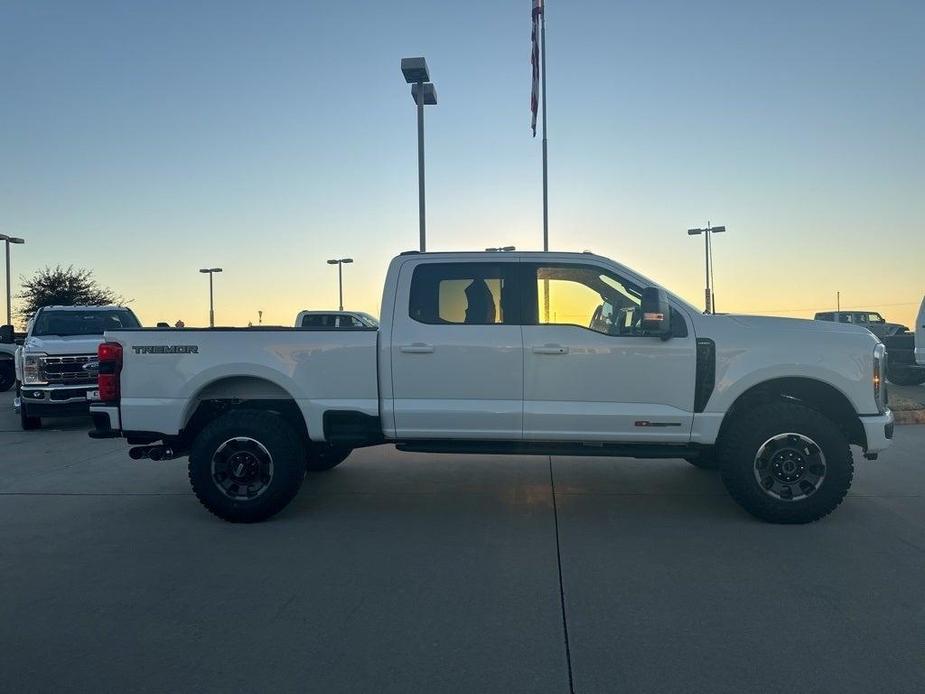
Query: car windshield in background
[[83, 322]]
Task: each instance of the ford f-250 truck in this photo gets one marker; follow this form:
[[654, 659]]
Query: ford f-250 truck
[[545, 353], [56, 365]]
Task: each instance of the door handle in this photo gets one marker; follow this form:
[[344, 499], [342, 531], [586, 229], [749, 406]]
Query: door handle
[[550, 349], [417, 348]]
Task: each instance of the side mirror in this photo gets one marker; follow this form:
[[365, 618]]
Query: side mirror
[[656, 313], [6, 334]]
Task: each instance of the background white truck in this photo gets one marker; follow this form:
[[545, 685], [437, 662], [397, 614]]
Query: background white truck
[[335, 319], [7, 357], [56, 365], [545, 353]]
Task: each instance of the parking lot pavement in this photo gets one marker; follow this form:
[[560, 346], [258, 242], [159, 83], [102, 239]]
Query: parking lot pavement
[[403, 572], [914, 393]]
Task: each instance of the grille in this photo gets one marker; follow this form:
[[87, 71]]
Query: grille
[[68, 370]]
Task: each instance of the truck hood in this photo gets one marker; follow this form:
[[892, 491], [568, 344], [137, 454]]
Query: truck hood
[[69, 344], [776, 324]]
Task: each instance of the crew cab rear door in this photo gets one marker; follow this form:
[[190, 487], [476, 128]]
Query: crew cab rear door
[[589, 375], [457, 350]]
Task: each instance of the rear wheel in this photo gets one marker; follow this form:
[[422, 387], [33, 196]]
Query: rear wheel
[[321, 458], [786, 463], [246, 466]]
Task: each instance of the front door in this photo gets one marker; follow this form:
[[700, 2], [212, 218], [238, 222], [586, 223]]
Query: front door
[[457, 352], [589, 372]]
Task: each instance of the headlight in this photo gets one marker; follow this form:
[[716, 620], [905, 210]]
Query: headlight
[[879, 377], [33, 371]]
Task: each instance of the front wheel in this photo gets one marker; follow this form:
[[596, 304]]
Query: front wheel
[[246, 466], [786, 463], [27, 422]]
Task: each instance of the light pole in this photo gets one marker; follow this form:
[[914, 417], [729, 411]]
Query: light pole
[[709, 296], [424, 94], [339, 262], [9, 298], [211, 271]]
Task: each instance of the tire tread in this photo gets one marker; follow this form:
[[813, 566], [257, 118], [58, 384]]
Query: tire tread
[[738, 448]]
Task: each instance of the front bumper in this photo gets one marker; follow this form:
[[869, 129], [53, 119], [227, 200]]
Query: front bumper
[[54, 401], [878, 431]]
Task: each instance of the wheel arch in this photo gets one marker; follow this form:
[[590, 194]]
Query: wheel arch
[[809, 392], [231, 393]]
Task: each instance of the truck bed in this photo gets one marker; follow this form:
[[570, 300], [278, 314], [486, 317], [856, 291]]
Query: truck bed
[[167, 372]]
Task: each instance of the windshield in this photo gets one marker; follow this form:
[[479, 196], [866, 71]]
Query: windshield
[[372, 322], [94, 322]]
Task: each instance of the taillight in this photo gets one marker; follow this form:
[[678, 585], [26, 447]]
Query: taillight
[[110, 358]]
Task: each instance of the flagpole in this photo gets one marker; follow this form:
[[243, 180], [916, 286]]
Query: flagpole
[[545, 161]]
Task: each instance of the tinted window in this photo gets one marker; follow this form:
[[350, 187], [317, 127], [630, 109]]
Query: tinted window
[[322, 320], [587, 296], [462, 294], [83, 322]]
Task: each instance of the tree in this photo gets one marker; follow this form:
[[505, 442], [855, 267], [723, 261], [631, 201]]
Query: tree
[[58, 286]]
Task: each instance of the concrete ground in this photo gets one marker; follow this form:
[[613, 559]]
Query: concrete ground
[[416, 573], [914, 393]]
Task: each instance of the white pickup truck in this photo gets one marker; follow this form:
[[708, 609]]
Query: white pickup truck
[[544, 353], [56, 365]]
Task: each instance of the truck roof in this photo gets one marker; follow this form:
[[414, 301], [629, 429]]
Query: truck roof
[[111, 307], [494, 254]]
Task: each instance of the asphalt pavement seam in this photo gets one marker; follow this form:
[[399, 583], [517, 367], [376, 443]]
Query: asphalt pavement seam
[[555, 516]]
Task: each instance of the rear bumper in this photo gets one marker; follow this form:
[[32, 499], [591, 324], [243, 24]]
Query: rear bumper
[[106, 424], [878, 430]]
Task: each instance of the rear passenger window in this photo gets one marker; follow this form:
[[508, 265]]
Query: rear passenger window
[[462, 294]]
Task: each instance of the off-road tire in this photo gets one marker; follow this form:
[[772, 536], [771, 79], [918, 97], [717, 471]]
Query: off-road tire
[[746, 435], [27, 422], [321, 458], [272, 432]]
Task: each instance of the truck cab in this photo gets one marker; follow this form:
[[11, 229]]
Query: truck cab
[[56, 365]]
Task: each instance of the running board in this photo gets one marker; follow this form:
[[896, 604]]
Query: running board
[[618, 450]]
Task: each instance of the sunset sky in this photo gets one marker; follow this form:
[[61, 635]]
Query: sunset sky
[[147, 140]]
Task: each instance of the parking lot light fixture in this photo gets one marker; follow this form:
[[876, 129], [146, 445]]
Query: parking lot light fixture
[[9, 299], [709, 291], [339, 262], [211, 271], [424, 94]]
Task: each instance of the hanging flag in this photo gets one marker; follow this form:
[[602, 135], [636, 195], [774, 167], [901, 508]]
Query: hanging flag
[[535, 59]]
